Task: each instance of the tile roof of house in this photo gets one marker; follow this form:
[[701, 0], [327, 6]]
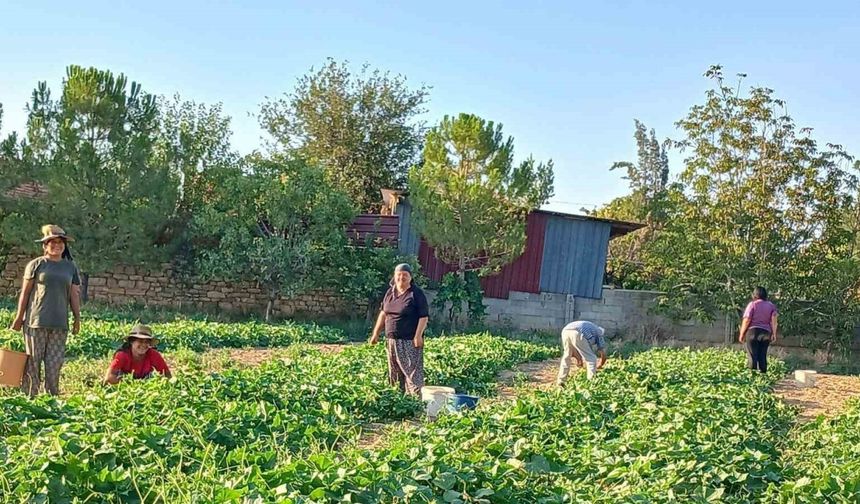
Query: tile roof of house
[[27, 190]]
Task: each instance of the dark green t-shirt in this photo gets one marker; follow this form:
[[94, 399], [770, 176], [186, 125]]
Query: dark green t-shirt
[[49, 300]]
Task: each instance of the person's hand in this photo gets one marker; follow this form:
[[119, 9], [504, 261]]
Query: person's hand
[[741, 338], [773, 338], [418, 341], [374, 339], [17, 324], [76, 326]]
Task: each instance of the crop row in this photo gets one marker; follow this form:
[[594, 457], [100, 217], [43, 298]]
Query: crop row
[[664, 426], [160, 440], [99, 337], [823, 461]]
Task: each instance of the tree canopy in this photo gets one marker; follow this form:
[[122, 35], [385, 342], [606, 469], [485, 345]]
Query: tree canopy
[[470, 199], [361, 128]]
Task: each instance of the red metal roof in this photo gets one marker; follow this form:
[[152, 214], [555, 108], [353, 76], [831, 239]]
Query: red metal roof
[[381, 229], [522, 275]]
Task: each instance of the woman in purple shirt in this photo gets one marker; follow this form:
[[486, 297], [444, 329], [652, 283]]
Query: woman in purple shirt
[[758, 329]]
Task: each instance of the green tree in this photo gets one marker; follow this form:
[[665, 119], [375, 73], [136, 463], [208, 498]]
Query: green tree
[[13, 171], [192, 138], [364, 272], [470, 200], [275, 221], [93, 151], [361, 128], [194, 142], [648, 179], [759, 203]]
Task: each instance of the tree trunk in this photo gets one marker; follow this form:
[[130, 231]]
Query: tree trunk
[[371, 313], [462, 317], [85, 285], [270, 304]]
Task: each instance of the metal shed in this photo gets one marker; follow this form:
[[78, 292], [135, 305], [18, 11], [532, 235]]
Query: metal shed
[[564, 254]]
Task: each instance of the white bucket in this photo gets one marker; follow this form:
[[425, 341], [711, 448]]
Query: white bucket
[[436, 398]]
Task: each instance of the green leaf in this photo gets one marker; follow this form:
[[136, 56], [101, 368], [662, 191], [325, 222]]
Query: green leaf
[[445, 481], [716, 494], [538, 464], [451, 496]]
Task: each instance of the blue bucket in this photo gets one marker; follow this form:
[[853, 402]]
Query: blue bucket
[[457, 402]]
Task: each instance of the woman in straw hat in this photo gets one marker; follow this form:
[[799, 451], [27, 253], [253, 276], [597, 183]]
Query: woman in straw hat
[[51, 285], [137, 357]]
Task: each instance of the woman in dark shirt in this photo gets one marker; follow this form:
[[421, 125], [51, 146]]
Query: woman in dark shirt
[[404, 316]]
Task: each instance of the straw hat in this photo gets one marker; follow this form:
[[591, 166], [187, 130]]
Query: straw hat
[[143, 332], [51, 231]]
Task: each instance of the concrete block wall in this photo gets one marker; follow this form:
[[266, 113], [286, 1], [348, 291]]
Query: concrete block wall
[[624, 313], [629, 313]]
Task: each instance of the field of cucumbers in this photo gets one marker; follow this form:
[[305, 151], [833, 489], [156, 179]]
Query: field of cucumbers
[[664, 425]]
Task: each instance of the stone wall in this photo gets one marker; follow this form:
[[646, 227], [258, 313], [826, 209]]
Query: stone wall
[[131, 284]]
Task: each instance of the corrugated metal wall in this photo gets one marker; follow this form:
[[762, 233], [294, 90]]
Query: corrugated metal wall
[[563, 255], [408, 239], [574, 256], [522, 275], [431, 266]]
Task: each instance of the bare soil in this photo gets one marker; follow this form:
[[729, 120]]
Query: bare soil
[[373, 434], [256, 356], [539, 375], [827, 397]]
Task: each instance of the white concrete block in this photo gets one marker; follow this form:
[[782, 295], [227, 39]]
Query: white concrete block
[[805, 377]]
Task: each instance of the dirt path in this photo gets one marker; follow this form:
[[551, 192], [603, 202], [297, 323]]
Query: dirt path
[[537, 375], [827, 397], [256, 356], [373, 434]]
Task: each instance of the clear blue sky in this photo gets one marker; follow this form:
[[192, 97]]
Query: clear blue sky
[[565, 78]]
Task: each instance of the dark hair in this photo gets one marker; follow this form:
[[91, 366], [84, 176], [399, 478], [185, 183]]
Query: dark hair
[[760, 293], [67, 254], [126, 345]]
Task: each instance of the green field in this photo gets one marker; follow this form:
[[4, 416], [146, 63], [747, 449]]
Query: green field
[[659, 426]]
